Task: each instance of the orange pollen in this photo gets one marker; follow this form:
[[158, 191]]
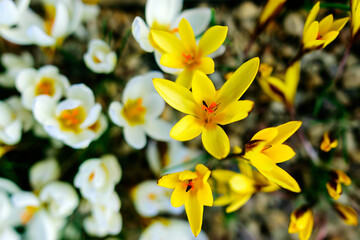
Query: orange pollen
[[152, 196], [70, 117], [211, 109], [175, 30], [96, 59], [48, 25], [319, 37], [91, 177], [28, 214], [46, 87], [188, 58]]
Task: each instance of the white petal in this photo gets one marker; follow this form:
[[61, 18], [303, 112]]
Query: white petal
[[199, 19], [25, 78], [158, 129], [82, 93], [80, 140], [162, 12], [133, 89], [218, 52], [113, 166], [154, 105], [116, 117], [8, 186], [92, 116], [135, 136], [44, 172], [44, 109], [24, 199], [16, 35], [12, 133], [28, 97], [141, 32], [9, 14], [77, 13], [22, 5], [153, 157], [61, 22], [39, 37], [67, 104]]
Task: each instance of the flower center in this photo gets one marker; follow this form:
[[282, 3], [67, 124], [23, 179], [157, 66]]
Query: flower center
[[189, 185], [209, 111], [45, 86], [71, 119], [96, 59], [319, 37], [91, 176], [28, 214], [134, 112], [189, 59]]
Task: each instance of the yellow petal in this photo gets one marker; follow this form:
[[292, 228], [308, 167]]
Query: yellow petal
[[212, 39], [222, 175], [329, 37], [185, 78], [202, 88], [194, 211], [339, 24], [267, 134], [215, 141], [169, 180], [313, 45], [238, 83], [242, 184], [223, 200], [168, 42], [187, 175], [292, 77], [238, 202], [325, 24], [204, 195], [235, 111], [306, 232], [347, 213], [312, 33], [270, 9], [260, 161], [343, 177], [334, 189], [245, 168], [172, 60], [273, 87], [176, 95], [206, 65], [312, 15], [203, 172], [179, 195], [292, 227], [285, 131], [282, 178], [279, 153], [187, 35], [187, 128]]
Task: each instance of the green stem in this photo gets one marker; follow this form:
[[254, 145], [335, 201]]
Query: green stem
[[339, 6]]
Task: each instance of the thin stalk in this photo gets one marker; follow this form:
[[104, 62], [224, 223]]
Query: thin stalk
[[343, 61]]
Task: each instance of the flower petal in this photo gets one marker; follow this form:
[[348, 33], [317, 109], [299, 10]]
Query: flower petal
[[158, 129], [206, 65], [238, 202], [199, 19], [172, 60], [338, 24], [212, 39], [204, 195], [176, 95], [135, 136], [162, 12], [267, 134], [187, 175], [222, 175], [306, 233], [279, 153], [179, 195], [169, 180], [312, 15], [116, 117], [194, 211], [282, 178], [260, 161], [285, 131], [202, 88], [325, 24], [168, 42], [187, 35], [312, 33], [140, 32], [242, 184], [238, 83], [215, 141], [292, 77], [234, 112], [187, 128], [185, 78], [329, 37]]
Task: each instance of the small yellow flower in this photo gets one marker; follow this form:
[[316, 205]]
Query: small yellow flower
[[191, 189], [206, 107], [355, 17], [184, 54], [347, 213], [266, 149], [302, 222], [337, 177], [317, 34], [328, 142], [277, 89], [241, 186], [271, 9]]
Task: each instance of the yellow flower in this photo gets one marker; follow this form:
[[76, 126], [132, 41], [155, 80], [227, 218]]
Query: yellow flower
[[207, 107], [337, 177], [328, 143], [241, 186], [271, 9], [191, 189], [266, 149], [355, 17], [318, 35], [302, 222], [184, 54], [347, 213], [277, 89]]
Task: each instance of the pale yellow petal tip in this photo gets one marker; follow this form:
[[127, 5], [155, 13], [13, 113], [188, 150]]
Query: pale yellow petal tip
[[237, 150]]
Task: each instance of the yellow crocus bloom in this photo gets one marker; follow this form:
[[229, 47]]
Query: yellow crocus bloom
[[184, 54], [241, 187], [355, 17], [317, 34], [334, 188], [266, 149], [347, 213], [191, 189], [206, 107], [271, 9], [302, 222], [328, 143], [280, 90]]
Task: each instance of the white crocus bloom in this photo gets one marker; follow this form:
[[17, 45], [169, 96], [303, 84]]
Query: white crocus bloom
[[45, 81], [43, 226], [76, 121], [166, 15], [105, 218], [90, 10], [170, 229], [44, 172], [139, 111], [97, 177], [170, 157], [151, 199], [61, 19], [13, 64], [99, 58], [11, 12]]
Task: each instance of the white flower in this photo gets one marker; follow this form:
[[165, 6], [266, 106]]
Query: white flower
[[44, 172], [172, 157], [14, 64], [105, 218], [99, 58], [76, 121], [139, 111], [45, 81], [61, 19], [10, 124], [11, 12], [151, 199], [165, 15], [170, 229], [97, 178], [90, 10]]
